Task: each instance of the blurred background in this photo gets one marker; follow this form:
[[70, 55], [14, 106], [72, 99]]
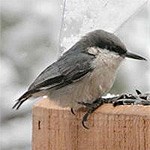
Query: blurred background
[[30, 31]]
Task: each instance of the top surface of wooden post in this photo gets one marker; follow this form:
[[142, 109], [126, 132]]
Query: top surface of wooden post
[[115, 128]]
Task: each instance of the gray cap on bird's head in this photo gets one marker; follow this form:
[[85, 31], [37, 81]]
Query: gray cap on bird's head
[[106, 40]]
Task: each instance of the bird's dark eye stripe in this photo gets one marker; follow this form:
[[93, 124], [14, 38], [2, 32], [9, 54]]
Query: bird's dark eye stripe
[[114, 48], [118, 50]]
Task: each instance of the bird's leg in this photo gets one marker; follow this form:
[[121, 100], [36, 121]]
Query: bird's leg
[[91, 107], [129, 99]]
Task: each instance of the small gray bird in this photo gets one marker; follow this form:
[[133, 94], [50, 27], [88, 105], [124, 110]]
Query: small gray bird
[[82, 74]]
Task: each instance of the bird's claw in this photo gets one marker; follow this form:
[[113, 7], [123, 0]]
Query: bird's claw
[[72, 111], [91, 107], [84, 119]]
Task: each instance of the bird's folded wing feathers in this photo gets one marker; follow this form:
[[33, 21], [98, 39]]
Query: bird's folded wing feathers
[[69, 68]]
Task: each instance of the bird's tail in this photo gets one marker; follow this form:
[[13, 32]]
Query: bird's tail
[[22, 99]]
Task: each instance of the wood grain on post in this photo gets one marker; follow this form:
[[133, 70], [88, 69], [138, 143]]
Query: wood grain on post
[[119, 128]]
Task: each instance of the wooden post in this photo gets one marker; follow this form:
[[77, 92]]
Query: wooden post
[[119, 128]]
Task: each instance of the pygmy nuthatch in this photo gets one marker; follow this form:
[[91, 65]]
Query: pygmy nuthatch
[[82, 74]]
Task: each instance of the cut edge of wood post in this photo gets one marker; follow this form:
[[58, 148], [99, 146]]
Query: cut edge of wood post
[[121, 127]]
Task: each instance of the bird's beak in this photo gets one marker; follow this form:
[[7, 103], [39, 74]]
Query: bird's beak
[[134, 56]]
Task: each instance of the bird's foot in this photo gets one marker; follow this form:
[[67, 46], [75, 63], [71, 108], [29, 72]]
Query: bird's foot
[[129, 99], [91, 107], [124, 99]]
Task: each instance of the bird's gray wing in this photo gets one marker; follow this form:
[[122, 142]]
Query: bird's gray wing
[[71, 67], [49, 77]]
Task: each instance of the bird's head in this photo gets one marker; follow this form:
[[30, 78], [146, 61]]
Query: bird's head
[[108, 42]]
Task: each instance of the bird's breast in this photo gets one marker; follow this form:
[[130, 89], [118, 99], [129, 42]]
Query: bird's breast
[[105, 67]]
